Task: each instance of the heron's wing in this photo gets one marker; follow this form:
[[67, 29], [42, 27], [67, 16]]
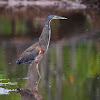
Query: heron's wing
[[31, 48], [28, 55]]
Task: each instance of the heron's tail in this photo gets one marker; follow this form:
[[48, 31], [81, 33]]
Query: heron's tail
[[18, 62]]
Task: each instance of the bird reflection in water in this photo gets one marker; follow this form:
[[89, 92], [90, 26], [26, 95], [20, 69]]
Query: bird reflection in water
[[31, 90]]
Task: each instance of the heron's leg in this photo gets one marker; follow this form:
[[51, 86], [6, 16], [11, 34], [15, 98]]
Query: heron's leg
[[38, 71], [38, 74]]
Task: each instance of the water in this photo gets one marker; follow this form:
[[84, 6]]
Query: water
[[69, 70]]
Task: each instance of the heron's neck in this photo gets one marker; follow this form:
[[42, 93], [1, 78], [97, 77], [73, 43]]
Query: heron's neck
[[45, 36]]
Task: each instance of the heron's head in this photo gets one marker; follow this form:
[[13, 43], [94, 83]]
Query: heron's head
[[50, 17]]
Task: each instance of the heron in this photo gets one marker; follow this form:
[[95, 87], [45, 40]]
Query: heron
[[35, 52]]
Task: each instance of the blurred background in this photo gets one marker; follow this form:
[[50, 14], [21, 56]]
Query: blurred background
[[71, 67]]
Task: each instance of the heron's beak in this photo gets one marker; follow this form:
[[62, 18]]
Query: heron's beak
[[59, 17]]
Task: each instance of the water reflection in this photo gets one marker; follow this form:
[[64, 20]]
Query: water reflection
[[31, 90], [81, 22], [70, 69]]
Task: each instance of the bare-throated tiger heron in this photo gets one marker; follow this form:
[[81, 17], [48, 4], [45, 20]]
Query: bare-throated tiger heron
[[35, 52]]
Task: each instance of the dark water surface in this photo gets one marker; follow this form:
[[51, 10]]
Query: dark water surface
[[70, 70]]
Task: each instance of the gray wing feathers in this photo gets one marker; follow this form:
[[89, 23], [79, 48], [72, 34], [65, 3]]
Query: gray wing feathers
[[28, 55]]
